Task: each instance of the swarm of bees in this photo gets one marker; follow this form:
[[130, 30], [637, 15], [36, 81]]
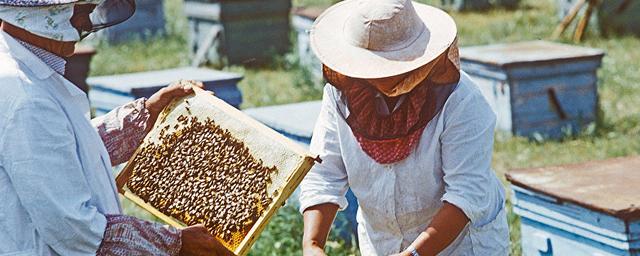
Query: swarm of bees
[[200, 174]]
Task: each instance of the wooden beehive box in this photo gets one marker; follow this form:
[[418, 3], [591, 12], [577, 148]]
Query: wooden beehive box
[[580, 209], [268, 147], [467, 5], [471, 5], [248, 31], [538, 87], [619, 17], [147, 21], [109, 92], [78, 65], [295, 121]]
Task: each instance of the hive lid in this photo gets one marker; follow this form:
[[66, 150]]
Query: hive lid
[[609, 186], [526, 52], [296, 119], [127, 82]]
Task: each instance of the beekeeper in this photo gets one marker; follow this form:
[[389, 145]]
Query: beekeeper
[[407, 131], [56, 184]]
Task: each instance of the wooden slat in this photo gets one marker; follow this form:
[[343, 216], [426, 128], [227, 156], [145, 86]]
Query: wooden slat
[[575, 215], [567, 19], [608, 186], [564, 82], [206, 11], [584, 22], [261, 224], [250, 9]]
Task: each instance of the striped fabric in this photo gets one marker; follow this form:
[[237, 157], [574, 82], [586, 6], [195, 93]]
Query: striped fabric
[[56, 62], [123, 129], [126, 235], [35, 2]]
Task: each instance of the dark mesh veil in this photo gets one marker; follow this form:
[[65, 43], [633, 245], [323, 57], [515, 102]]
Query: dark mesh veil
[[109, 13]]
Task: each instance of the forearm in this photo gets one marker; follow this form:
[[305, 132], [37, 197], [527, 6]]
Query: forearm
[[122, 129], [444, 228], [317, 224], [126, 235]]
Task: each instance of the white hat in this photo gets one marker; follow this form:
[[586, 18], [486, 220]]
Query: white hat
[[380, 38], [51, 18]]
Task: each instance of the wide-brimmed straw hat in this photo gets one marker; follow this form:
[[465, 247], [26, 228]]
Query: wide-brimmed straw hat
[[380, 38]]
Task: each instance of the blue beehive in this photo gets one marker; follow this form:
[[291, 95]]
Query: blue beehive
[[469, 5], [148, 20], [582, 209], [108, 92], [243, 31], [297, 121], [537, 87]]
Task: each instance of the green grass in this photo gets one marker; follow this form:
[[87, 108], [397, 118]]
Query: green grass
[[160, 52], [282, 82], [283, 235]]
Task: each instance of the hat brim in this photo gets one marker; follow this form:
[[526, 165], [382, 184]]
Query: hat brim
[[331, 46]]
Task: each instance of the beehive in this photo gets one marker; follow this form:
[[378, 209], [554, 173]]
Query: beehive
[[618, 17], [471, 5], [109, 92], [588, 208], [147, 21], [78, 66], [250, 31], [209, 163], [537, 87]]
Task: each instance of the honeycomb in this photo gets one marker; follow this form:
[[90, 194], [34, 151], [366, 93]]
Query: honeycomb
[[199, 173]]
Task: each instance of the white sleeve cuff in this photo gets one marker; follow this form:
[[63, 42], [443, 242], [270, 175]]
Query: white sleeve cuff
[[313, 200], [461, 203]]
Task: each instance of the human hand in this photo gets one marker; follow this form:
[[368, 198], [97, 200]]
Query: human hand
[[156, 103], [196, 241], [312, 250]]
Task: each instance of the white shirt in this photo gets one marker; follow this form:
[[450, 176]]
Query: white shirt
[[452, 163], [55, 188]]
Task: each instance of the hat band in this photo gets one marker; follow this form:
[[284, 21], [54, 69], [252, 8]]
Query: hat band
[[444, 69]]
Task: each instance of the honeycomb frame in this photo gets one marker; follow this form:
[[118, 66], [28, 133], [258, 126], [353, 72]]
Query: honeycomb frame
[[291, 160]]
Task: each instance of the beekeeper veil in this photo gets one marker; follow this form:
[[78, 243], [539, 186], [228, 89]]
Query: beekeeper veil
[[52, 18]]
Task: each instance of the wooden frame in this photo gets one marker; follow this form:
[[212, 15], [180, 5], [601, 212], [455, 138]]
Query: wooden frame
[[282, 187], [581, 27]]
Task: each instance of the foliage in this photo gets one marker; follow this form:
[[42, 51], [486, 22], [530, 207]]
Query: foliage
[[283, 81], [158, 52], [283, 236]]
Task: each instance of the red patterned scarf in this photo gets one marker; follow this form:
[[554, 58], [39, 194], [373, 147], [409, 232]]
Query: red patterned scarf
[[391, 138]]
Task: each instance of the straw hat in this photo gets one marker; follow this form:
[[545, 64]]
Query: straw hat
[[380, 38]]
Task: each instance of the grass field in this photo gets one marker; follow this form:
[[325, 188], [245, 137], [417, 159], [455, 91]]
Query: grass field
[[616, 134]]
